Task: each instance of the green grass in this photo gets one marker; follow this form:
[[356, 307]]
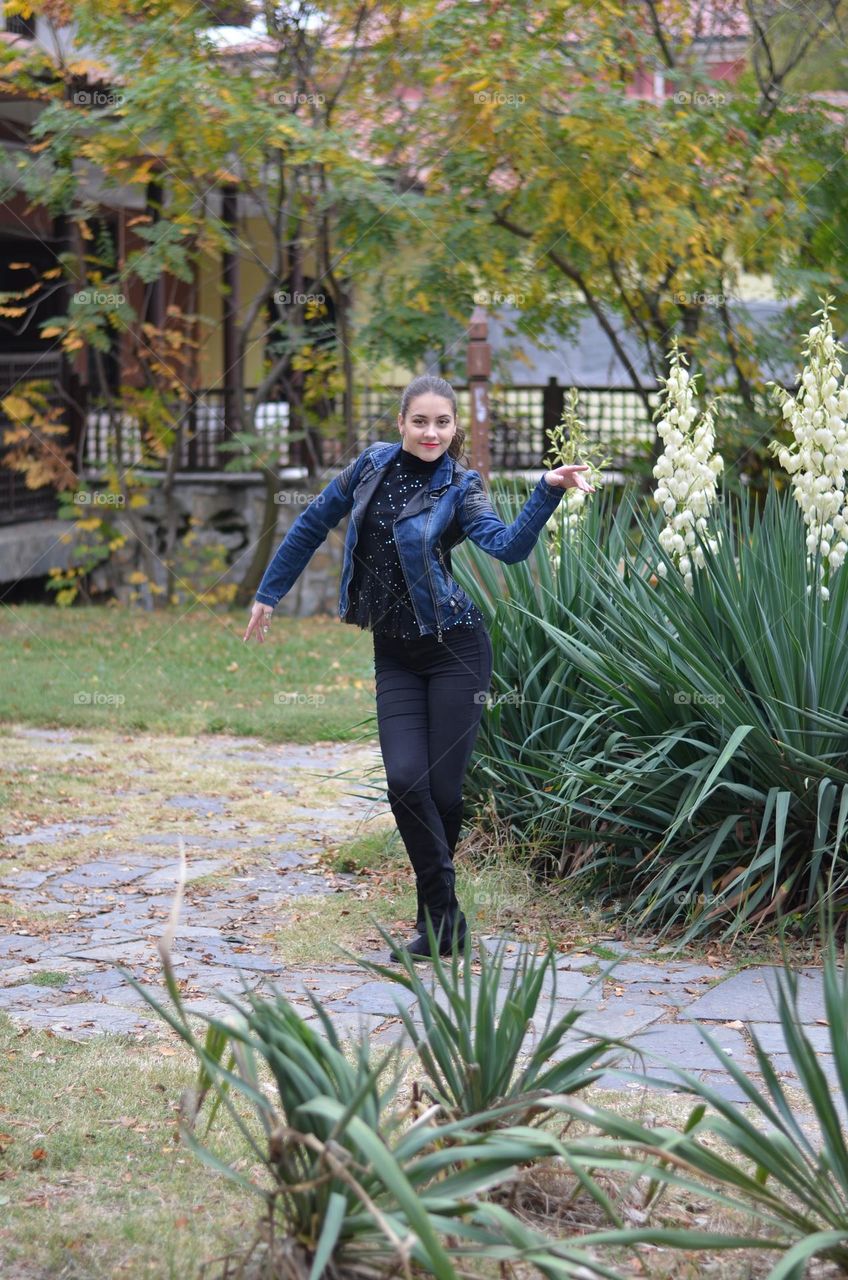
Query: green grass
[[368, 853], [48, 978], [93, 1183], [175, 671]]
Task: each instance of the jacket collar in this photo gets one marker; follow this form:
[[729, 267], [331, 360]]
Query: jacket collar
[[442, 475]]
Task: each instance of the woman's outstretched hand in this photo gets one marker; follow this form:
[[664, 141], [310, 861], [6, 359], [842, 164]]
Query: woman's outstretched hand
[[259, 621], [568, 477]]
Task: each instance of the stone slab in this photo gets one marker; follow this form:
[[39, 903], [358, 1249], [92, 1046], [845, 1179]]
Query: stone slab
[[654, 975], [191, 840], [784, 1065], [24, 972], [294, 884], [28, 994], [56, 831], [683, 1045], [87, 1019], [99, 875], [166, 877], [771, 1038], [110, 952], [204, 805], [576, 960], [16, 880], [621, 1022], [751, 995], [374, 997]]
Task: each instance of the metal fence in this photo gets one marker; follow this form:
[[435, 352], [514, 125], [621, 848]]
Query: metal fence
[[521, 418]]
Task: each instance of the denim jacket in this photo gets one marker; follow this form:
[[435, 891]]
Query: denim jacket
[[438, 516]]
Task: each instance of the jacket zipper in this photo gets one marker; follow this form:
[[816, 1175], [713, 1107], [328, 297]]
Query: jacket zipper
[[432, 588], [409, 593], [429, 579]]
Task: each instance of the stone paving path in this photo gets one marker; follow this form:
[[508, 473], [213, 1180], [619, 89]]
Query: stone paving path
[[113, 909]]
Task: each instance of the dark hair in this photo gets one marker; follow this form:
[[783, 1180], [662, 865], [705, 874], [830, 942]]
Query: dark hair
[[429, 383]]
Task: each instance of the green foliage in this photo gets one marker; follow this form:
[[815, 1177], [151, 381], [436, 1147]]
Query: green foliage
[[683, 754], [472, 1040], [352, 1181], [767, 1161], [356, 1181]]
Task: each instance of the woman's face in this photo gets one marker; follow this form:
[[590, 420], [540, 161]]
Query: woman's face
[[429, 426]]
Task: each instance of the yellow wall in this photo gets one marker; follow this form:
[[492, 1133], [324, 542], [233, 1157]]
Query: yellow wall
[[256, 235]]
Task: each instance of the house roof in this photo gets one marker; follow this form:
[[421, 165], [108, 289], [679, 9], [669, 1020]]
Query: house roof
[[588, 359]]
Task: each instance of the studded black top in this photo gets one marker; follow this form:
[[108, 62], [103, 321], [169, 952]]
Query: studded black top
[[378, 596]]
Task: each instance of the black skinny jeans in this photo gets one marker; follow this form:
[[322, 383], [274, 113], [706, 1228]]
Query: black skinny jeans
[[430, 699]]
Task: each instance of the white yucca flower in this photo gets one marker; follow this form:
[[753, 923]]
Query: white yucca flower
[[567, 445], [817, 458], [686, 471]]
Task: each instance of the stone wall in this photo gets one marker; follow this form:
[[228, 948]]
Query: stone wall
[[229, 510]]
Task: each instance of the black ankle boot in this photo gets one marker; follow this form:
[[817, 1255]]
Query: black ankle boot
[[420, 918], [419, 948]]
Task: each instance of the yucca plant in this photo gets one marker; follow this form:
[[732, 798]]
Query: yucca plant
[[684, 754], [482, 1039], [766, 1165], [357, 1187]]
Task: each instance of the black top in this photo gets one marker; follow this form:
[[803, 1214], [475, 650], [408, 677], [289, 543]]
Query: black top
[[378, 596]]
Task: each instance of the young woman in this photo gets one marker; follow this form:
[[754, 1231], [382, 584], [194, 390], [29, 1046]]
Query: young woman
[[409, 503]]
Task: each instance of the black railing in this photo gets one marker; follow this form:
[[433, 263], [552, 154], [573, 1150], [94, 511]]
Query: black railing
[[521, 419], [618, 426]]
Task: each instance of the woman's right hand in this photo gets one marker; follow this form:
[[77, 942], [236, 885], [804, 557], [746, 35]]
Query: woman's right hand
[[260, 619]]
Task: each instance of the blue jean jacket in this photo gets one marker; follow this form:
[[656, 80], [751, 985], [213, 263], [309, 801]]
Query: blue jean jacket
[[438, 516]]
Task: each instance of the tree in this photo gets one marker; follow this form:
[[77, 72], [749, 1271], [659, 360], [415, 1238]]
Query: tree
[[549, 182], [282, 130]]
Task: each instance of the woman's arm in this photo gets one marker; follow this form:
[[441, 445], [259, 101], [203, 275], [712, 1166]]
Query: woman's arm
[[514, 542], [307, 533]]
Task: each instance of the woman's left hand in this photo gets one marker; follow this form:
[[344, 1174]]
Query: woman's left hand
[[568, 477]]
